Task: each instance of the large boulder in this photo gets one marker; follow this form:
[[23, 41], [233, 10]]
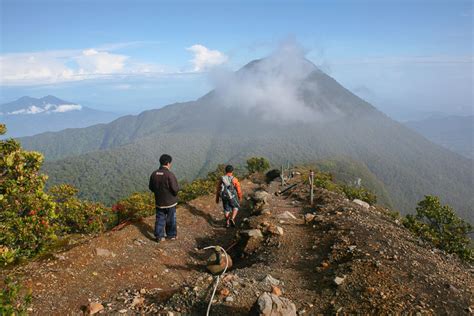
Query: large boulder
[[269, 304], [216, 262], [261, 196], [259, 200]]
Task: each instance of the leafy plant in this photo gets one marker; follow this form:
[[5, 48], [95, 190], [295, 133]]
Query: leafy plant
[[26, 211], [257, 164], [10, 301], [440, 225], [74, 215], [134, 207]]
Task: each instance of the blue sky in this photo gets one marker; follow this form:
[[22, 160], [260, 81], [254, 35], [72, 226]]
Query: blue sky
[[405, 57]]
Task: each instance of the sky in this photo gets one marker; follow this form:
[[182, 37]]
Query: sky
[[408, 58]]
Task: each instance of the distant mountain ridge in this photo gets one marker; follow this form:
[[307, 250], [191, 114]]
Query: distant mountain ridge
[[29, 116], [316, 119]]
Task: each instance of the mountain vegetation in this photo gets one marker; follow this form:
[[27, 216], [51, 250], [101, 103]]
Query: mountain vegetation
[[108, 162]]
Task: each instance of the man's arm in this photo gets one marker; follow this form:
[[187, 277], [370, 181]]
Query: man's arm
[[150, 183], [238, 188], [218, 190], [173, 184]]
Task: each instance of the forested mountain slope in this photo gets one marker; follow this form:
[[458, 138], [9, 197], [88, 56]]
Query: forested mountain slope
[[250, 116]]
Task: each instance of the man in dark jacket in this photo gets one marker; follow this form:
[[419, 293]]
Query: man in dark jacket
[[165, 186]]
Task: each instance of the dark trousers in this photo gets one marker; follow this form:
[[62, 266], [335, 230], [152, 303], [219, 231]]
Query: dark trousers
[[165, 222]]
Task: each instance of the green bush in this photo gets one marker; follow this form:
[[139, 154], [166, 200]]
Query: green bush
[[10, 301], [76, 216], [135, 207], [440, 225], [26, 211], [257, 164], [359, 193], [324, 180]]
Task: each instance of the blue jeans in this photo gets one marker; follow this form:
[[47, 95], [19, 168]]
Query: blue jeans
[[165, 222]]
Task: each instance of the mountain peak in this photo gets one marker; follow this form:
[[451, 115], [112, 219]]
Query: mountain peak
[[29, 105]]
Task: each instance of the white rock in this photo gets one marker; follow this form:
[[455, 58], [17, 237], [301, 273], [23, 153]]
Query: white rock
[[339, 280], [269, 304], [362, 203], [270, 280], [286, 215], [104, 252], [252, 233], [94, 308]]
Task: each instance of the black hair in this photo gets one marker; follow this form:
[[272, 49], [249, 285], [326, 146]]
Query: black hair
[[229, 168], [165, 159]]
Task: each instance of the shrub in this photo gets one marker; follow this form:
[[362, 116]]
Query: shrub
[[10, 301], [360, 193], [134, 207], [440, 225], [324, 180], [257, 164], [26, 211], [74, 215], [196, 188]]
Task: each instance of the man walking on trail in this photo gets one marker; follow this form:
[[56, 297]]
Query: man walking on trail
[[228, 189], [165, 186]]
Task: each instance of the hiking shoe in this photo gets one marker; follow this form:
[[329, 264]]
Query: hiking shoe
[[160, 239], [172, 238], [232, 222], [227, 225]]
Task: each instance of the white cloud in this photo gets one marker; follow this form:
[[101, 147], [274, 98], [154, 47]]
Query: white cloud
[[94, 62], [46, 108], [67, 108], [51, 67], [205, 58]]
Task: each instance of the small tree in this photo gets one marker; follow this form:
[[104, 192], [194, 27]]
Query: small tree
[[440, 225], [257, 164], [74, 215], [135, 207], [26, 210]]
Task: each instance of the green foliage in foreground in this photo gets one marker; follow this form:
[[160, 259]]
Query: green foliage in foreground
[[11, 302], [440, 225], [26, 211], [31, 219]]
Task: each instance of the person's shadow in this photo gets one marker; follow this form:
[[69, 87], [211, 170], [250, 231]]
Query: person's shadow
[[145, 229]]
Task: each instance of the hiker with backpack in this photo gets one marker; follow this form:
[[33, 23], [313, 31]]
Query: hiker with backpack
[[229, 191], [164, 185]]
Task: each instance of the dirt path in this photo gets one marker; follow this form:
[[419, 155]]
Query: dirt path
[[118, 261], [380, 267]]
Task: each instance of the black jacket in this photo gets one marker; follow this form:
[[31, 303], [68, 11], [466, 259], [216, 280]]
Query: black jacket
[[165, 186]]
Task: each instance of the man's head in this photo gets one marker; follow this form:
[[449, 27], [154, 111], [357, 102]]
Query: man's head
[[229, 169], [165, 160]]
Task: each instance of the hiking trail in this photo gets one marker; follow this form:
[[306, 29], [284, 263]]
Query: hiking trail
[[337, 257]]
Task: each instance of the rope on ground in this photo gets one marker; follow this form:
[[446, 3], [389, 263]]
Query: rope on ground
[[219, 276]]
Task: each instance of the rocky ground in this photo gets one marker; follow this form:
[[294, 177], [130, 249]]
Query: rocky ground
[[335, 257]]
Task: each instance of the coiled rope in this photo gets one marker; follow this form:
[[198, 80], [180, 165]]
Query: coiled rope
[[218, 248]]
